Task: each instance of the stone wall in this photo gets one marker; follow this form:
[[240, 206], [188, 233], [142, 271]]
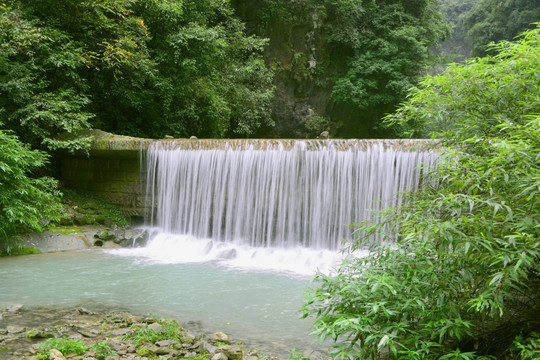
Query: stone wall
[[111, 170]]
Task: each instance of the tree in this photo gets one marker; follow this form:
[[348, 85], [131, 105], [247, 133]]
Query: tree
[[463, 279], [350, 61], [143, 68], [41, 93], [25, 200], [494, 20], [212, 79]]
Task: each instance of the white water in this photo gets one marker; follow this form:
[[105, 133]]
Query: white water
[[282, 205], [167, 248]]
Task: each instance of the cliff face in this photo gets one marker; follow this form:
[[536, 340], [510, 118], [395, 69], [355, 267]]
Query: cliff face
[[296, 51]]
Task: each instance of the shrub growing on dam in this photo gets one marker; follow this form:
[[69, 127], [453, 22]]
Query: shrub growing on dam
[[463, 281]]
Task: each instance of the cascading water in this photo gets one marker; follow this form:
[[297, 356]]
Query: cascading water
[[220, 195], [221, 207]]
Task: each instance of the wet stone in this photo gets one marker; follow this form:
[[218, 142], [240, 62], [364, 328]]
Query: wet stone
[[14, 308], [21, 334]]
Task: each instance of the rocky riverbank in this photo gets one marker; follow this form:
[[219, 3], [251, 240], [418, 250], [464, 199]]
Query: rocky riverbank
[[111, 335], [84, 237]]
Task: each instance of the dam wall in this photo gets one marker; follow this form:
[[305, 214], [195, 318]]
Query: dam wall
[[115, 166]]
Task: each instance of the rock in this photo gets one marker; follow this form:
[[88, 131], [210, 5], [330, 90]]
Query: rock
[[81, 219], [220, 356], [227, 254], [209, 347], [324, 135], [110, 245], [86, 334], [111, 328], [162, 350], [121, 332], [188, 338], [83, 311], [193, 138], [77, 337], [156, 327], [116, 344], [314, 355], [131, 237], [15, 308], [233, 352], [104, 235], [56, 355], [218, 337], [13, 329], [165, 343], [40, 334]]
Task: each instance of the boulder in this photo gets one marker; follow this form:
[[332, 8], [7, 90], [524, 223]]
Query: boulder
[[131, 237], [233, 352], [15, 308], [56, 355], [220, 356], [218, 337]]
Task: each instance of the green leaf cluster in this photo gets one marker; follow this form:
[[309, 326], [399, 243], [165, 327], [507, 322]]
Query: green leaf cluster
[[368, 54], [64, 345], [25, 199], [41, 92], [143, 335], [144, 68], [459, 277], [494, 20]]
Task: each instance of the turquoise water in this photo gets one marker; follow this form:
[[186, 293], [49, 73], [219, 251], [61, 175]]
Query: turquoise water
[[254, 307]]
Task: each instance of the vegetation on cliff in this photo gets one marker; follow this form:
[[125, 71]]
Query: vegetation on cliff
[[463, 280]]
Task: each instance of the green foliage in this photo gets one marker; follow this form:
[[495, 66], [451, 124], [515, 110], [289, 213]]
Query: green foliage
[[368, 53], [494, 20], [102, 350], [25, 200], [384, 45], [14, 249], [529, 348], [169, 330], [41, 93], [457, 46], [293, 355], [64, 345], [143, 68], [463, 281], [92, 205], [475, 98]]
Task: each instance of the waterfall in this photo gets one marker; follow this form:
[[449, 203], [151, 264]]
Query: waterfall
[[278, 193]]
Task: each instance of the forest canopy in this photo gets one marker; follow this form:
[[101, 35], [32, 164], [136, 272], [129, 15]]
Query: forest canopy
[[143, 68]]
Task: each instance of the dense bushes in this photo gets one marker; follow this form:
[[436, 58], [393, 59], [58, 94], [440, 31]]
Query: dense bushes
[[145, 68], [24, 199], [463, 281]]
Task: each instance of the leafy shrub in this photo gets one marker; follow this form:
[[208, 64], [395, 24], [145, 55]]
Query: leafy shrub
[[463, 281], [170, 330], [64, 345], [25, 200], [102, 350]]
